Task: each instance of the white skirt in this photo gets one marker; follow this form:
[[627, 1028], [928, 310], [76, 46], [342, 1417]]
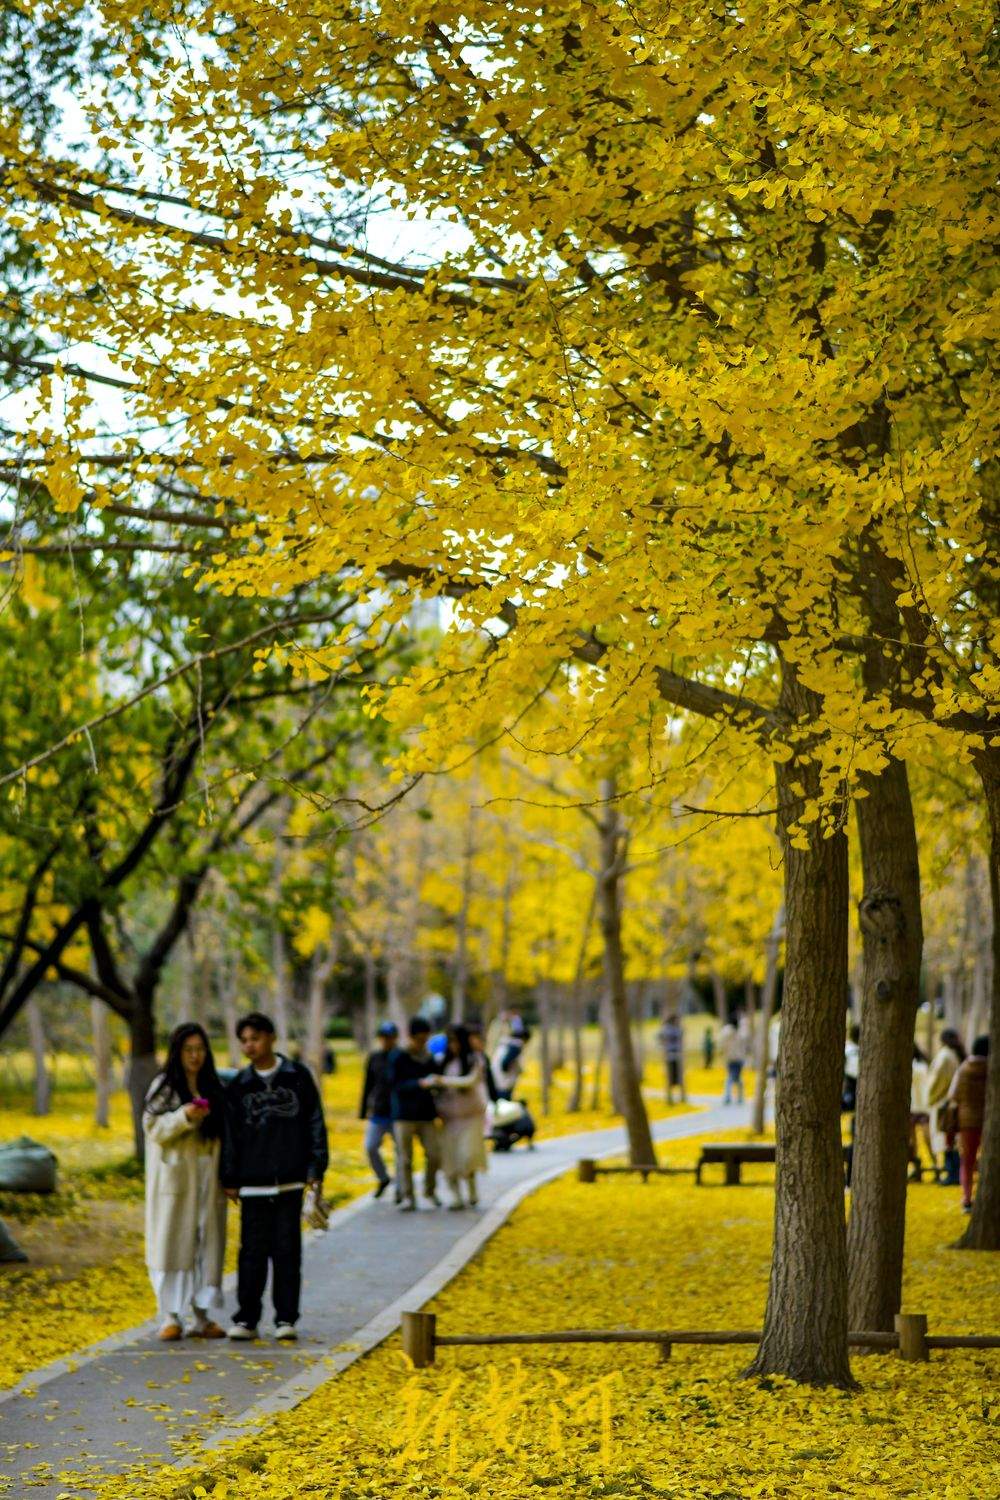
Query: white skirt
[[177, 1291]]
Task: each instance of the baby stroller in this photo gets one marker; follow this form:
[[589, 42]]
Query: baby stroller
[[510, 1120]]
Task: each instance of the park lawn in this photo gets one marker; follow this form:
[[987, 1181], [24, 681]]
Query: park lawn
[[599, 1421], [86, 1278]]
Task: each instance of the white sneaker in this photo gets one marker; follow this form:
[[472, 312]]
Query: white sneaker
[[407, 1206], [285, 1331], [240, 1331]]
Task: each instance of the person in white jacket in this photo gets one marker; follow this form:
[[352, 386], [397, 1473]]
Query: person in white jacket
[[185, 1205]]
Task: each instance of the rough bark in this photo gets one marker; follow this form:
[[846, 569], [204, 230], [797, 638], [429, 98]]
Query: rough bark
[[143, 1065], [892, 938], [100, 1032], [805, 1325], [623, 1063], [767, 999], [42, 1080], [983, 1232]]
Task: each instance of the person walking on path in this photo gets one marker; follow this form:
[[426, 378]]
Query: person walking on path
[[376, 1102], [944, 1065], [734, 1045], [182, 1122], [508, 1058], [672, 1042], [414, 1113], [968, 1092], [274, 1147], [460, 1090], [919, 1114]]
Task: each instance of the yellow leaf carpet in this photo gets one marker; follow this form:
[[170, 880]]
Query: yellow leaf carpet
[[613, 1421]]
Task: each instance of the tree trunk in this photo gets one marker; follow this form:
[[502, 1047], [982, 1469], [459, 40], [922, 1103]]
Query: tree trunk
[[394, 1001], [320, 969], [805, 1325], [460, 987], [721, 999], [280, 984], [371, 998], [892, 938], [623, 1063], [143, 1066], [42, 1087], [767, 999], [228, 971], [595, 1090], [983, 1232], [545, 1044], [576, 1009], [100, 1031]]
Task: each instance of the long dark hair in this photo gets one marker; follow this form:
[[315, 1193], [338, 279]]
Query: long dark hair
[[457, 1032], [950, 1038], [173, 1082]]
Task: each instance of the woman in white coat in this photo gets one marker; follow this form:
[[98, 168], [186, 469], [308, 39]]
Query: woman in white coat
[[461, 1102], [185, 1205]]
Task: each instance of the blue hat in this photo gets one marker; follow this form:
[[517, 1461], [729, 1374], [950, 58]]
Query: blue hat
[[388, 1028]]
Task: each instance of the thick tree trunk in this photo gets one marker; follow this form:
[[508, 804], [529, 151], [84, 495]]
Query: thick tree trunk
[[892, 937], [983, 1232], [100, 1032], [42, 1080], [767, 999], [143, 1066], [623, 1063], [805, 1326]]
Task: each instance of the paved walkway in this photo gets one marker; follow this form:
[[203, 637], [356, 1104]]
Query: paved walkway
[[132, 1400]]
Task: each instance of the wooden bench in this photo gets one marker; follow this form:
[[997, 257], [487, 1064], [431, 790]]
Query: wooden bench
[[732, 1155]]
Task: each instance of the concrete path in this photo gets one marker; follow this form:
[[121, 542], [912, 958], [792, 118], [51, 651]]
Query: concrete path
[[133, 1401]]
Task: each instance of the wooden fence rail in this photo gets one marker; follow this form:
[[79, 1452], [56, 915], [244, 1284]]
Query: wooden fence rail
[[421, 1339], [588, 1170]]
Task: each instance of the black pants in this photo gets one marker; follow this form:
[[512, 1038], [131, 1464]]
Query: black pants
[[270, 1230]]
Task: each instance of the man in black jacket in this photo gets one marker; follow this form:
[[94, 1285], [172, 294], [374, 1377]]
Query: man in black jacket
[[376, 1102], [414, 1113], [273, 1147]]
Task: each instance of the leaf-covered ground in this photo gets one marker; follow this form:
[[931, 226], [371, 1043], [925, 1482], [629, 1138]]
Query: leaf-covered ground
[[612, 1420]]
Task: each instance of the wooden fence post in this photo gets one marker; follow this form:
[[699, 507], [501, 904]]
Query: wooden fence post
[[912, 1330], [666, 1349], [418, 1338], [586, 1169]]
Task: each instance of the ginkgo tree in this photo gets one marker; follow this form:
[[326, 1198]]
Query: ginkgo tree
[[679, 375]]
